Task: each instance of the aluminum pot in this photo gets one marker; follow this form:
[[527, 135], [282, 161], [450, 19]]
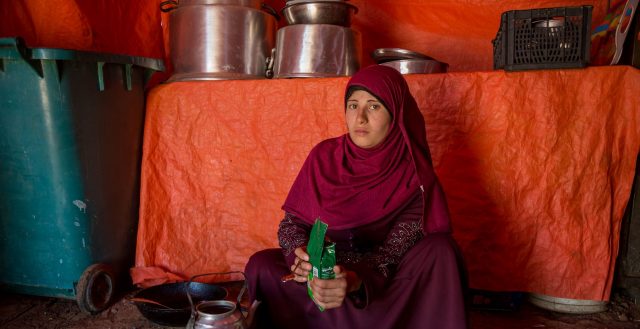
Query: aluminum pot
[[219, 41], [417, 66], [256, 4], [316, 50], [319, 12], [382, 55]]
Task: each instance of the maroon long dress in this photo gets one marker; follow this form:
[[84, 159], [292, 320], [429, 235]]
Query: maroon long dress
[[387, 215], [422, 289]]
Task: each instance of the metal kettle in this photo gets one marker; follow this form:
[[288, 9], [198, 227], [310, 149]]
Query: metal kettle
[[220, 314]]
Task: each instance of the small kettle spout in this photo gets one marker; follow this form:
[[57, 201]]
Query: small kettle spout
[[252, 313]]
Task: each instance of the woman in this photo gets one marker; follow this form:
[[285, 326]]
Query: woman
[[397, 265]]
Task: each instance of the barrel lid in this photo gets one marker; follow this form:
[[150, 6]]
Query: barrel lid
[[14, 48]]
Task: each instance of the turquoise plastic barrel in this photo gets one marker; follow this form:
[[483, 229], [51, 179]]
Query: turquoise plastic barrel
[[70, 152]]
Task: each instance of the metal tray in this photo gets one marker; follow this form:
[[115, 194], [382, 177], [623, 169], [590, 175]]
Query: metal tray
[[382, 55]]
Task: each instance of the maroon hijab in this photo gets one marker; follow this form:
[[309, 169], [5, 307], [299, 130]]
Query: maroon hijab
[[347, 186]]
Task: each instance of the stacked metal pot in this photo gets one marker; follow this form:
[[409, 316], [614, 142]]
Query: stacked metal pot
[[219, 39], [317, 42], [407, 61]]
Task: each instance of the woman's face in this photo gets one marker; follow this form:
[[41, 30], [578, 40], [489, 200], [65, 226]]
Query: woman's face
[[367, 119]]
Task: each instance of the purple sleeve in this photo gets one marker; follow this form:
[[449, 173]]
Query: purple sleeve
[[292, 233]]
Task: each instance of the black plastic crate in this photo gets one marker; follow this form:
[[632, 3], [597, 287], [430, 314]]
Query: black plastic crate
[[545, 38]]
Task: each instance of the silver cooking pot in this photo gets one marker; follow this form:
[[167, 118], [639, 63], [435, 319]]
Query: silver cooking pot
[[315, 50], [417, 66], [219, 39], [256, 4]]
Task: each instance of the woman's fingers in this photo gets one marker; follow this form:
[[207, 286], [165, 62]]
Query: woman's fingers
[[301, 252], [328, 293], [331, 293], [301, 265], [300, 269], [339, 271], [330, 284]]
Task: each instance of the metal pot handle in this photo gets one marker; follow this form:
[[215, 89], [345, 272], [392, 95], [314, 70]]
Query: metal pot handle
[[270, 10], [268, 72], [169, 5], [242, 290]]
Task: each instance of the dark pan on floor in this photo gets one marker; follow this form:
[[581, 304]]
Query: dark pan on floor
[[174, 295]]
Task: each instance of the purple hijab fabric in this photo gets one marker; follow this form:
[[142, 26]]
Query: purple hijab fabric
[[347, 186]]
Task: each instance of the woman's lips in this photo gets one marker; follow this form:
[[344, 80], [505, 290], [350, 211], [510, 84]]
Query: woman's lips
[[361, 132]]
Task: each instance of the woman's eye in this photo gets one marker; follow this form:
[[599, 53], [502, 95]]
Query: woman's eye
[[352, 106], [374, 107]]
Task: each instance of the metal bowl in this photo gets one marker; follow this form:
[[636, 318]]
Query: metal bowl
[[319, 12], [382, 55], [256, 4], [417, 66]]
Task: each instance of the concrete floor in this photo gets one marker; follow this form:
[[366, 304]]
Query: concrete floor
[[20, 312]]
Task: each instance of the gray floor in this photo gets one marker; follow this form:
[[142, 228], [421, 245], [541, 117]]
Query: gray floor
[[20, 311]]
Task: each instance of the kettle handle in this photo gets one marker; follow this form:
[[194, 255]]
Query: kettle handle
[[242, 290]]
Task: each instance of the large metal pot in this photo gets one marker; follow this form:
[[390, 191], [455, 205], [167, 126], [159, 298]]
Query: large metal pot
[[316, 50], [319, 12], [210, 41]]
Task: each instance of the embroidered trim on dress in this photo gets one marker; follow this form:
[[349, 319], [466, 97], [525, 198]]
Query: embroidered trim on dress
[[403, 236], [290, 235]]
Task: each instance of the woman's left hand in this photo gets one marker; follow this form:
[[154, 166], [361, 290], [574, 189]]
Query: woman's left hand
[[331, 293]]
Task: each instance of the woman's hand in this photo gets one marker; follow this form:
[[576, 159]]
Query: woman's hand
[[331, 293], [301, 266]]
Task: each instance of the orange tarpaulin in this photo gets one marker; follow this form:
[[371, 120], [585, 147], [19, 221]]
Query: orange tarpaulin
[[453, 31], [537, 168], [106, 26]]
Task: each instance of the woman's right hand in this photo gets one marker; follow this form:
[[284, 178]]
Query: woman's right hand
[[302, 270]]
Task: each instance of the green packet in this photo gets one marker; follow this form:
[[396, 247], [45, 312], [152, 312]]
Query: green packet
[[322, 256]]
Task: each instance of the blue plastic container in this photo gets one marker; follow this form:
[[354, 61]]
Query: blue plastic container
[[70, 153]]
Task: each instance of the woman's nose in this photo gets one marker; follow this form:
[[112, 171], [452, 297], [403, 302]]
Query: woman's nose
[[362, 115]]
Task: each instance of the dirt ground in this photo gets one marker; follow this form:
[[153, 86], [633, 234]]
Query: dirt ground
[[20, 312]]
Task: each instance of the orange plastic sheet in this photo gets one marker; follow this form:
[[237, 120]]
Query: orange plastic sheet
[[537, 168], [107, 26], [453, 31]]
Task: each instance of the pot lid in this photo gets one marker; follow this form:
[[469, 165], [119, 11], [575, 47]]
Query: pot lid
[[245, 3], [382, 55], [304, 1], [298, 2]]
